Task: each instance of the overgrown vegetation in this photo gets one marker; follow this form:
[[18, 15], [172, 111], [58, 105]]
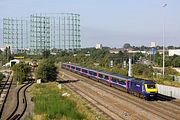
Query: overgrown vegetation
[[1, 77], [50, 104], [54, 105], [100, 59], [142, 69], [5, 56], [21, 71], [46, 70], [169, 60]]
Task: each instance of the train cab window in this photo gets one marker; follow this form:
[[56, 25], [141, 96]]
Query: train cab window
[[68, 66], [151, 86]]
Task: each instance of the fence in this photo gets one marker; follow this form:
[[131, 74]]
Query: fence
[[169, 91]]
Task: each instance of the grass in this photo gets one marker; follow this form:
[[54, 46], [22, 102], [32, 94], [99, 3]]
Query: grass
[[48, 101], [50, 104]]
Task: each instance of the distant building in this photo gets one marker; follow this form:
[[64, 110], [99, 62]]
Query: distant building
[[115, 51], [143, 52], [153, 44], [161, 51], [174, 52], [98, 46]]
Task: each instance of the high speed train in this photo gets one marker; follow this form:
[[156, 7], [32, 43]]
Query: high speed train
[[146, 89]]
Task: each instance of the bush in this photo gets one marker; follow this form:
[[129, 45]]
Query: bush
[[46, 70], [141, 69], [1, 76], [21, 71]]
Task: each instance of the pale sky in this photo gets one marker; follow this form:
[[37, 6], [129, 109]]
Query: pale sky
[[110, 22]]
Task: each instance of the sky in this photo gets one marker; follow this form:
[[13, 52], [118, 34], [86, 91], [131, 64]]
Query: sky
[[110, 22]]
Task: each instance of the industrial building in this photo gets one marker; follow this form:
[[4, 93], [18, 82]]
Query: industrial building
[[174, 52], [41, 32]]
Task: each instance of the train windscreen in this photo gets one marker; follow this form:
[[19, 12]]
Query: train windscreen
[[151, 86]]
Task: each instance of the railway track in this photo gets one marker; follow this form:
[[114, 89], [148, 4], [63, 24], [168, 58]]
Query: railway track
[[21, 103], [89, 98], [6, 85], [159, 109], [108, 105]]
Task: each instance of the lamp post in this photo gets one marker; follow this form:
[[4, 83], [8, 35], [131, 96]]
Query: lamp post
[[164, 5]]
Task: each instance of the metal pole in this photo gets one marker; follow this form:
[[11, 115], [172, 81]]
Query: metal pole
[[129, 71], [164, 38]]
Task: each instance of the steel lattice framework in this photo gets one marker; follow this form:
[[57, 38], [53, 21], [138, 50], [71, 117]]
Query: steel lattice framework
[[15, 33], [40, 32], [65, 31]]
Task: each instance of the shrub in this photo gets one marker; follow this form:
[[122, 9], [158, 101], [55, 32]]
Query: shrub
[[46, 70], [1, 76]]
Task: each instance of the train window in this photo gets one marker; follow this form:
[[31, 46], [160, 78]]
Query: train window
[[68, 66], [100, 75], [94, 74], [91, 72], [106, 77], [84, 71], [151, 86], [122, 82], [114, 79], [72, 67], [78, 69]]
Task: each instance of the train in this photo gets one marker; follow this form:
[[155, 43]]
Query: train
[[146, 89]]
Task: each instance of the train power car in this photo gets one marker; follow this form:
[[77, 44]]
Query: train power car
[[139, 87]]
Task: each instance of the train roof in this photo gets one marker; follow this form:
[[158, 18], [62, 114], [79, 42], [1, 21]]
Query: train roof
[[121, 76], [143, 81], [138, 80]]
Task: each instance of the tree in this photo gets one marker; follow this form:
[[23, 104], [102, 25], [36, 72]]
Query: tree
[[170, 71], [46, 70], [137, 56], [46, 53], [20, 71], [126, 45], [158, 59], [1, 77], [142, 69], [176, 61], [170, 47]]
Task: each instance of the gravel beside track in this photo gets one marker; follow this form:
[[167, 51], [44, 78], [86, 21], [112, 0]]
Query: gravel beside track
[[5, 88], [21, 103]]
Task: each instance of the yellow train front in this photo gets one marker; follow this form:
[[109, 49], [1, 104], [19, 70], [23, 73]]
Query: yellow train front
[[151, 90], [146, 88]]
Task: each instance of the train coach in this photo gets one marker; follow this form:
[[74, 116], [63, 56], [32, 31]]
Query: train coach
[[146, 89]]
